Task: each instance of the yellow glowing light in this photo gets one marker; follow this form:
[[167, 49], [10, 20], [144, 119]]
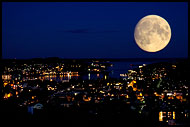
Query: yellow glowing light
[[5, 84], [33, 97], [179, 97], [134, 89], [156, 94], [102, 91], [87, 99], [127, 96], [139, 98], [174, 66], [7, 95], [170, 97], [161, 116], [174, 115]]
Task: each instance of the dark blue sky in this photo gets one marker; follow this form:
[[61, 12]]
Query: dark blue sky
[[87, 30]]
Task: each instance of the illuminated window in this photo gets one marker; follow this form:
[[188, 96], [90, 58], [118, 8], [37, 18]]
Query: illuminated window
[[161, 116], [169, 114], [174, 115]]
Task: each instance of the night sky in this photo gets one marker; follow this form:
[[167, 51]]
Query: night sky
[[87, 29]]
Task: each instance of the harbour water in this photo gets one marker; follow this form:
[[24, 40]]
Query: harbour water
[[117, 68]]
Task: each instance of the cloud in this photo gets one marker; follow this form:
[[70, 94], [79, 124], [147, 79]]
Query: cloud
[[78, 31], [110, 31]]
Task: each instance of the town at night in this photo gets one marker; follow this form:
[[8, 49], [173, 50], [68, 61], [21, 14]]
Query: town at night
[[95, 63]]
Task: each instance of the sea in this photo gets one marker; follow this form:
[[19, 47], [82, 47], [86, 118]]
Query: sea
[[122, 66]]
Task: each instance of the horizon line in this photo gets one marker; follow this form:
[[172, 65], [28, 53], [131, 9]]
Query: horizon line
[[89, 58]]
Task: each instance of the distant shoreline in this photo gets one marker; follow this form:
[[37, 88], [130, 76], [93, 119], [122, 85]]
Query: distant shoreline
[[107, 59]]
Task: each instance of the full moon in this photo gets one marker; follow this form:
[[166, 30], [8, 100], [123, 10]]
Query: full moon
[[152, 33]]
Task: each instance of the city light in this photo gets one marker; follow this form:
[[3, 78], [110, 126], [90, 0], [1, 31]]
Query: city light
[[70, 88], [161, 116]]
